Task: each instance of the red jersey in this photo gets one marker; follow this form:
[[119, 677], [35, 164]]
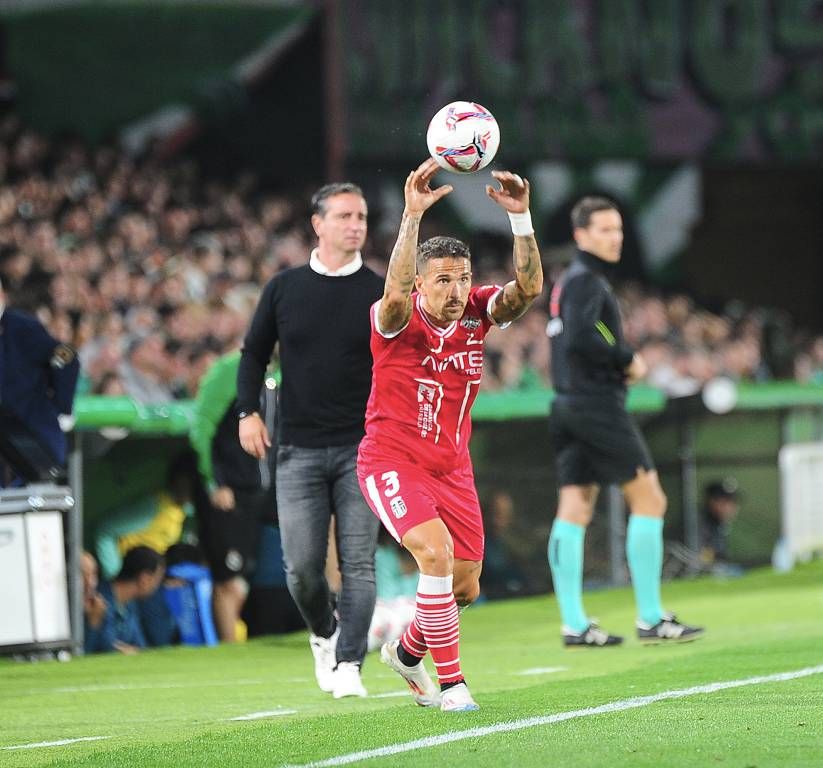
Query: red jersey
[[424, 382]]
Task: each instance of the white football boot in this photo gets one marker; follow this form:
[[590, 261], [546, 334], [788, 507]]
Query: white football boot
[[423, 689]]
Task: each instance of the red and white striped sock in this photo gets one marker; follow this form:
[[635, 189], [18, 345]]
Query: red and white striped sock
[[437, 619], [413, 641]]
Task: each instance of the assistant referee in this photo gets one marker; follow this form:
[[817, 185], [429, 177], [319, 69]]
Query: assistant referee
[[595, 440]]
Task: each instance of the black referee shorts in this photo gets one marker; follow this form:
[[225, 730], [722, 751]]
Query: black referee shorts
[[596, 441]]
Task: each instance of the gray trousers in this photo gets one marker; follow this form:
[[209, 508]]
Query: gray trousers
[[312, 485]]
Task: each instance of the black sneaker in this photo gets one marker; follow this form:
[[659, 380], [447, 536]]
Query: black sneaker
[[591, 637], [668, 630]]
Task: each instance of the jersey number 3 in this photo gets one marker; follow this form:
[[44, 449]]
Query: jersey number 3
[[391, 485]]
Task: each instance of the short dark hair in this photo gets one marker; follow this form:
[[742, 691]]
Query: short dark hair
[[581, 215], [441, 247], [139, 560], [318, 200]]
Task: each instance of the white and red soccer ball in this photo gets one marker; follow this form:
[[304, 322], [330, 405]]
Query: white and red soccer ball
[[463, 137]]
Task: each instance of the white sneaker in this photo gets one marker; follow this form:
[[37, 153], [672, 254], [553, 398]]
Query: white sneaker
[[347, 680], [458, 699], [422, 688], [323, 649]]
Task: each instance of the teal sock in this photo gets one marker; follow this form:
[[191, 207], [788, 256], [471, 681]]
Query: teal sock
[[566, 563], [644, 551]]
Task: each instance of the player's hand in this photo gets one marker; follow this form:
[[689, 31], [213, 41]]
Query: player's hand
[[254, 437], [223, 497], [418, 194], [636, 370], [513, 194]]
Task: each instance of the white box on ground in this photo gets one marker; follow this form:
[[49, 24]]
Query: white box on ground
[[34, 605], [17, 623], [47, 568]]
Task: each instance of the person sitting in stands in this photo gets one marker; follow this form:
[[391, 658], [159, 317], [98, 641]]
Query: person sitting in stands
[[118, 628]]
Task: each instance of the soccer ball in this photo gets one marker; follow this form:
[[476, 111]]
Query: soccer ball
[[463, 137]]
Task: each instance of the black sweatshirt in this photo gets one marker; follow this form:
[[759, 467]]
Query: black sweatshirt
[[588, 353], [322, 325]]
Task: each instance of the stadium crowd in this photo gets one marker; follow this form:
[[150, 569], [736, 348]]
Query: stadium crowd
[[151, 272]]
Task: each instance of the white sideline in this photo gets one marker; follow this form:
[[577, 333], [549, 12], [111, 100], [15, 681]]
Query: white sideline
[[532, 722], [262, 715], [56, 743]]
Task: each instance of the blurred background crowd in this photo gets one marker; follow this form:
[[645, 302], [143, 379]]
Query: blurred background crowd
[[151, 271]]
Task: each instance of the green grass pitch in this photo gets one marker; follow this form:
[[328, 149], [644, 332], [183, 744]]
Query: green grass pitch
[[175, 707]]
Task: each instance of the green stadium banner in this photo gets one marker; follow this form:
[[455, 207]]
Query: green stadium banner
[[663, 79]]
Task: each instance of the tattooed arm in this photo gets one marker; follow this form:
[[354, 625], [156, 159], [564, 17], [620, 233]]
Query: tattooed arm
[[396, 307], [517, 295]]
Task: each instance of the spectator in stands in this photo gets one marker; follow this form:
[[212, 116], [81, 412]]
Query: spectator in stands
[[503, 574], [38, 375], [720, 508], [108, 249], [119, 628], [159, 624], [144, 370], [94, 605]]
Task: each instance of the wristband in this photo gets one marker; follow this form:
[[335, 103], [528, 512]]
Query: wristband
[[521, 224]]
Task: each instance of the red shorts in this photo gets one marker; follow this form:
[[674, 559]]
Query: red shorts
[[403, 495]]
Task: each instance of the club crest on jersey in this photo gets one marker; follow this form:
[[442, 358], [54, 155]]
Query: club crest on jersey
[[470, 323], [398, 507]]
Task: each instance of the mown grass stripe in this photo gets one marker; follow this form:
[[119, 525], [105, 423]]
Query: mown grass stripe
[[533, 722]]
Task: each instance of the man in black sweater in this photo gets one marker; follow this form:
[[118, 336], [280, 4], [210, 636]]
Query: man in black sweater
[[595, 439], [319, 316]]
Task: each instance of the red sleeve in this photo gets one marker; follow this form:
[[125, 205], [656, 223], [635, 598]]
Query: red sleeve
[[480, 300]]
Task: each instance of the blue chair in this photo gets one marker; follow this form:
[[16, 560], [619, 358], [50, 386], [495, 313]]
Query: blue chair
[[190, 603]]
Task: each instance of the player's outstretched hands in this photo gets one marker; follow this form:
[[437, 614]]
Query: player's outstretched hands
[[418, 194], [513, 194]]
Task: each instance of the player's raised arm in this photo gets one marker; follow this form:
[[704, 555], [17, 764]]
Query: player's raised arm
[[517, 295], [396, 307]]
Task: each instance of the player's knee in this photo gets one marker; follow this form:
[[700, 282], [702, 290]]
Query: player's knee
[[579, 514], [435, 559], [661, 501], [234, 588], [657, 500]]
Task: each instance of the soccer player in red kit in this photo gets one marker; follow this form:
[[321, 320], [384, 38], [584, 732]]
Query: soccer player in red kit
[[413, 464]]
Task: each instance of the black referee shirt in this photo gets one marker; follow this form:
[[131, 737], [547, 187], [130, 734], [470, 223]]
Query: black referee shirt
[[588, 353], [322, 325]]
